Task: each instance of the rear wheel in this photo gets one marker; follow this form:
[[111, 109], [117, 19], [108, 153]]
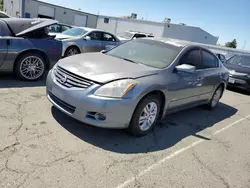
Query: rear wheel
[[72, 51], [30, 66], [215, 99], [145, 116]]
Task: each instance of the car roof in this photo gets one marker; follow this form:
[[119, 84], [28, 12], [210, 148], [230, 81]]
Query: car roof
[[139, 32]]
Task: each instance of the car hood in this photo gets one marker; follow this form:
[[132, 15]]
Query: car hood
[[103, 68], [62, 36], [21, 26], [237, 68]]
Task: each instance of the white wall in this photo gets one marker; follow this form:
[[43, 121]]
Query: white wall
[[12, 9], [119, 25], [63, 15], [188, 33]]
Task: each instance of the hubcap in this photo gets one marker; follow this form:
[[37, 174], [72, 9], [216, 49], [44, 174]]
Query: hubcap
[[148, 116], [216, 97], [31, 67], [72, 51]]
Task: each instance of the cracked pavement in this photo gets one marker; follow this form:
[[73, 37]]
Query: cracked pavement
[[42, 147]]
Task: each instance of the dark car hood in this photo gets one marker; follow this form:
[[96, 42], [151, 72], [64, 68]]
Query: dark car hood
[[21, 26], [103, 68], [237, 68]]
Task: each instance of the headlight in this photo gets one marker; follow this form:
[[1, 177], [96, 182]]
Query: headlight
[[116, 89]]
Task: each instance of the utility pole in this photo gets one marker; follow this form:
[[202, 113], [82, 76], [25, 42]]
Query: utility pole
[[244, 45]]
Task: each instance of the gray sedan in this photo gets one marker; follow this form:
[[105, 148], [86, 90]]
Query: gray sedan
[[135, 84], [82, 39]]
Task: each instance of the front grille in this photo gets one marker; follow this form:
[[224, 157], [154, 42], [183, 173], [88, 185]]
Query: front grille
[[70, 80], [69, 108]]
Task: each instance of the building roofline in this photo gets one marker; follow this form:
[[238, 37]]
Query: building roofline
[[64, 7], [156, 22]]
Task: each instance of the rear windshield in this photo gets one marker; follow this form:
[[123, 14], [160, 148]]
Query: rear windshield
[[75, 32], [148, 52], [4, 30]]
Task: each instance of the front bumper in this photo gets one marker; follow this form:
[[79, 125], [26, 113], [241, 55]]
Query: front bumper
[[81, 104], [239, 82]]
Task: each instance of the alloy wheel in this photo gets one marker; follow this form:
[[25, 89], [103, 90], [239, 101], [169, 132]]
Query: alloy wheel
[[32, 67], [148, 116]]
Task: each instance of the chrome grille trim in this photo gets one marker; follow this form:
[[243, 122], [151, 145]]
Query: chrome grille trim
[[72, 80]]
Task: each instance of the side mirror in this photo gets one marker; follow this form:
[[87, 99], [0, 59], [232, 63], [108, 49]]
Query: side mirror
[[185, 68], [87, 38]]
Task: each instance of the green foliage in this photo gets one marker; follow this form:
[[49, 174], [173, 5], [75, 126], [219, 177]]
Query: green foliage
[[1, 5], [232, 44]]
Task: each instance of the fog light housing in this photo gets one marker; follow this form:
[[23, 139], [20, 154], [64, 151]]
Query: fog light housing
[[100, 117]]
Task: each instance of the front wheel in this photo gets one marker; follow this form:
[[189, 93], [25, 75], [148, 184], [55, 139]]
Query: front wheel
[[145, 116]]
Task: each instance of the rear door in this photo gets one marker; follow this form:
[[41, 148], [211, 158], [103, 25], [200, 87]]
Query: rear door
[[3, 49], [211, 71], [108, 40]]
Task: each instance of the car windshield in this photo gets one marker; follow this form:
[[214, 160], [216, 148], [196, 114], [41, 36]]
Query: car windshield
[[127, 35], [75, 32], [242, 60], [148, 52]]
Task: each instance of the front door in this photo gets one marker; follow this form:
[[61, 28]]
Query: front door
[[3, 50], [186, 88], [94, 44]]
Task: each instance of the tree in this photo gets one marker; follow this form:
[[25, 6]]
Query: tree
[[1, 5], [232, 44]]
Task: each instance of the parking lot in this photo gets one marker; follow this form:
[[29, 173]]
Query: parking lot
[[42, 147]]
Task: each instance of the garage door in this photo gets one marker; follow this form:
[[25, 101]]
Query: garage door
[[46, 11], [80, 20]]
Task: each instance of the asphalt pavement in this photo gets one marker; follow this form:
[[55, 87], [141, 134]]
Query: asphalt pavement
[[40, 147]]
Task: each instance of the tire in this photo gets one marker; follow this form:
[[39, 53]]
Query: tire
[[134, 127], [31, 62], [72, 50], [215, 99]]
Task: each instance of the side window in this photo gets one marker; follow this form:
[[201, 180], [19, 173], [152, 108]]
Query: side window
[[209, 60], [55, 28], [136, 36], [64, 28], [192, 58], [222, 57], [108, 37], [95, 35]]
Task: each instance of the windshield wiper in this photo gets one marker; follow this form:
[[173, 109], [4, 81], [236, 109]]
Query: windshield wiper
[[130, 60]]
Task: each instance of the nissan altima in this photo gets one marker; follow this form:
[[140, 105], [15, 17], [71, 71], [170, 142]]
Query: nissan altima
[[135, 84]]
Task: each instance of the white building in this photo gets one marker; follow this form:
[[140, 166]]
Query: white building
[[159, 29], [35, 8]]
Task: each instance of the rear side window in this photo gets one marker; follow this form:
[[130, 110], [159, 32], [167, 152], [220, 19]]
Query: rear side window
[[209, 60], [139, 36], [193, 58]]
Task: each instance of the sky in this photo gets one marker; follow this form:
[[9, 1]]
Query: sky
[[228, 19]]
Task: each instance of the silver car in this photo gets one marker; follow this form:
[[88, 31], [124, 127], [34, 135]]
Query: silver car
[[137, 83], [82, 39]]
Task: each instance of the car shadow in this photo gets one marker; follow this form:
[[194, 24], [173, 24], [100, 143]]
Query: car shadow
[[238, 90], [9, 80], [170, 131]]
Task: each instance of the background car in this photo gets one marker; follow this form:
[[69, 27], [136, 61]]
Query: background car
[[221, 57], [239, 69], [4, 15], [136, 83], [81, 40], [26, 48], [58, 28], [129, 35]]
